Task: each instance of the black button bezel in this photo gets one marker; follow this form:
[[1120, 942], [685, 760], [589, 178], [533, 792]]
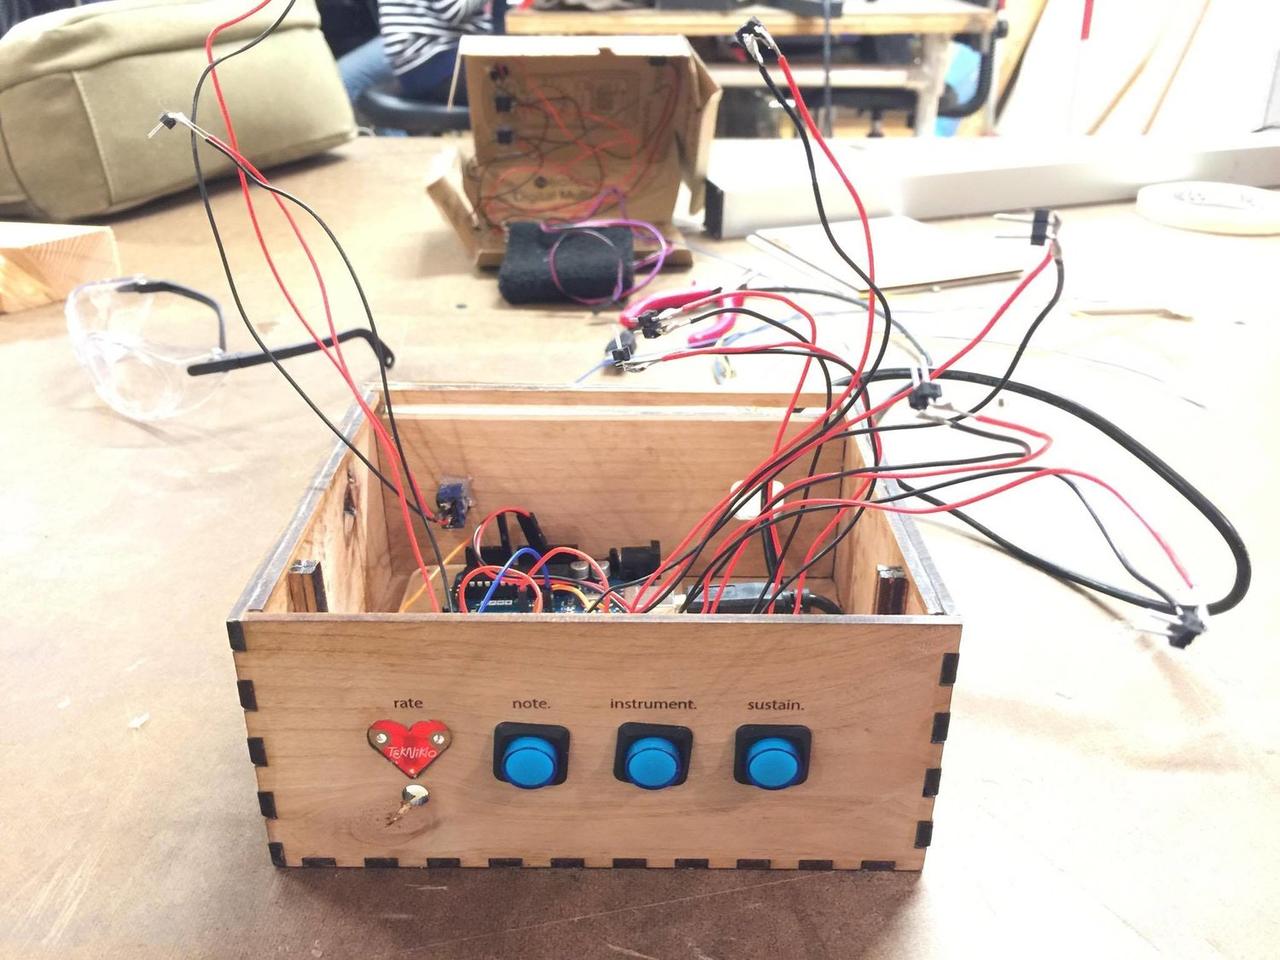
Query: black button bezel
[[797, 735], [510, 730], [629, 733]]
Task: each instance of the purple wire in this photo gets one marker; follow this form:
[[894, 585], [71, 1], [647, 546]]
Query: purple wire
[[555, 276], [655, 260]]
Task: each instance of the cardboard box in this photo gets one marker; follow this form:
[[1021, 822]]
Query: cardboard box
[[556, 121]]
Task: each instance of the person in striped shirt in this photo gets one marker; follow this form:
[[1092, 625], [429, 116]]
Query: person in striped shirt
[[418, 46]]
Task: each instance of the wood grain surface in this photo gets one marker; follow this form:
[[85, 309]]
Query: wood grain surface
[[1104, 795], [860, 17]]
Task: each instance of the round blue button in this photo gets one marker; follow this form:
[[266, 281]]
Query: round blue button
[[773, 763], [529, 762], [653, 763]]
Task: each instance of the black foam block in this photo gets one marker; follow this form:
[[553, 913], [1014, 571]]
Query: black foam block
[[586, 266]]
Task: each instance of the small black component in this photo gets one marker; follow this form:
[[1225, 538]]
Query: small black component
[[800, 737], [277, 854], [506, 861], [621, 348], [754, 864], [381, 863], [630, 863], [267, 804], [1188, 626], [503, 102], [504, 135], [509, 597], [650, 324], [532, 531], [319, 862], [745, 597], [248, 699], [692, 863], [815, 865], [509, 730], [629, 733], [932, 782], [924, 393], [568, 862], [453, 500], [443, 862], [635, 563], [1042, 220]]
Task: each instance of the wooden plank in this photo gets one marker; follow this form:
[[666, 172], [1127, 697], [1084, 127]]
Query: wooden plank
[[869, 76], [1021, 17], [600, 476], [868, 691], [342, 528], [305, 584], [43, 262], [1223, 77], [860, 17], [512, 394], [1067, 85]]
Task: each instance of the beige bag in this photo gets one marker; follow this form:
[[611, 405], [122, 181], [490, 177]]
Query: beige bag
[[81, 88]]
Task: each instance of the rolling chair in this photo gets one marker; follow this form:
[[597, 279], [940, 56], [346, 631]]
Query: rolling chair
[[384, 107]]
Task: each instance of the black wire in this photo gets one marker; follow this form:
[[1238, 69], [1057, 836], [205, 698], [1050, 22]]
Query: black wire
[[1026, 556], [874, 290], [1026, 339], [202, 185], [920, 348], [818, 601], [1202, 504], [922, 494]]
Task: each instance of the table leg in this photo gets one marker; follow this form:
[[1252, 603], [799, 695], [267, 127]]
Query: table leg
[[933, 67]]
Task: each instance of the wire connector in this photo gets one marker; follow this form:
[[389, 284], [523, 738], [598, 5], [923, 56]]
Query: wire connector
[[621, 348], [753, 36], [924, 392], [167, 122], [650, 324], [453, 501], [1180, 628], [1044, 224], [1190, 623]]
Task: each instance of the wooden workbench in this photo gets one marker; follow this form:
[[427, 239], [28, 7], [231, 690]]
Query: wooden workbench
[[935, 21], [1103, 795]]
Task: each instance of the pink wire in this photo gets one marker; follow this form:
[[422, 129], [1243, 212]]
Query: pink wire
[[655, 260]]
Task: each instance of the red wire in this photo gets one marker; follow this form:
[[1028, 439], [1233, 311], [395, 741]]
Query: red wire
[[816, 134], [491, 571], [1087, 24], [794, 451], [336, 358]]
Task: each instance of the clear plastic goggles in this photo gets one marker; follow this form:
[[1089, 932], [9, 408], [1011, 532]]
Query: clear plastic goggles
[[156, 349]]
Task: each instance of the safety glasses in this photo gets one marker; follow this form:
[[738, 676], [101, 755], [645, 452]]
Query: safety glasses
[[156, 349]]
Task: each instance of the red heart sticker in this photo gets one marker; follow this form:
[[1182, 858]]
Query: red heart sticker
[[413, 748]]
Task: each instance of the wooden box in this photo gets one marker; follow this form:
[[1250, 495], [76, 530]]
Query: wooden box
[[321, 655]]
